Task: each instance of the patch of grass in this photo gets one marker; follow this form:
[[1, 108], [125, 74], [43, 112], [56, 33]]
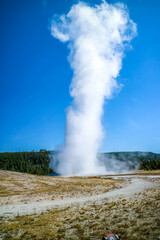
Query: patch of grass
[[30, 185], [137, 219]]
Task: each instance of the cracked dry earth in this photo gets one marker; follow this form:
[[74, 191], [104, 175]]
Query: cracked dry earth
[[41, 207]]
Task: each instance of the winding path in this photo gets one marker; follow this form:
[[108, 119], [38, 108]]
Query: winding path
[[135, 186]]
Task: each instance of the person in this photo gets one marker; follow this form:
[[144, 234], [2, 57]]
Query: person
[[111, 237]]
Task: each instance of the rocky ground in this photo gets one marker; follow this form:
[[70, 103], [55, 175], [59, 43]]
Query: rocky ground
[[39, 207]]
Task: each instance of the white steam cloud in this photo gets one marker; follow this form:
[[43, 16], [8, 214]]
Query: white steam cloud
[[96, 36]]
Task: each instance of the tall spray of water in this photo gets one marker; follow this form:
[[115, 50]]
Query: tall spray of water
[[96, 36]]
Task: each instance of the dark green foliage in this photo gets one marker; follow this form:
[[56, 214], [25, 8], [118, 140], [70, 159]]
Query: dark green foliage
[[27, 162], [147, 164]]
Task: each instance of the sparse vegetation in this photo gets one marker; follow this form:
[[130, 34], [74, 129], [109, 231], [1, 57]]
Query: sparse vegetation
[[31, 187], [133, 218]]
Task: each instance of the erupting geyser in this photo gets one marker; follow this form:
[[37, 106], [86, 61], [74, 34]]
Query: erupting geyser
[[96, 36]]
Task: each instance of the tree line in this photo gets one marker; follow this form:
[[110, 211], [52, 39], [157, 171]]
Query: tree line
[[144, 160], [148, 164], [27, 162], [38, 162]]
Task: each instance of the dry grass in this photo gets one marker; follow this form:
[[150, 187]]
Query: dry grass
[[37, 188], [135, 219]]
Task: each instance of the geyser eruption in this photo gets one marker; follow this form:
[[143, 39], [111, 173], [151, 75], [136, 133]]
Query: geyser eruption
[[96, 36]]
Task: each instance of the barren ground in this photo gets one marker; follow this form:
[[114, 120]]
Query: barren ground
[[41, 207]]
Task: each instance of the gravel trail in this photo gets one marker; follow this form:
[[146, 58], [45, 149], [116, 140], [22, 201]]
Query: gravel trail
[[134, 186]]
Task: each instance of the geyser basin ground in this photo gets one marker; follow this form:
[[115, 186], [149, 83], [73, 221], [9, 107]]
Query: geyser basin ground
[[133, 213]]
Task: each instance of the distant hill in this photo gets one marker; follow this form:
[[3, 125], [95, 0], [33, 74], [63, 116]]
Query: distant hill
[[130, 160]]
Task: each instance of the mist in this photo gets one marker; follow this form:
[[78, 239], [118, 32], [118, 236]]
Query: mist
[[97, 37]]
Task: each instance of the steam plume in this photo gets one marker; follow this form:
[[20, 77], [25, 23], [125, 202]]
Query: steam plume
[[96, 36]]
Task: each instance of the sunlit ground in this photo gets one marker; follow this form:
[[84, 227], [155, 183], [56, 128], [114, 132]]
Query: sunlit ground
[[133, 216]]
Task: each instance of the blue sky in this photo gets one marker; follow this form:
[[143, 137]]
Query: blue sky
[[35, 78]]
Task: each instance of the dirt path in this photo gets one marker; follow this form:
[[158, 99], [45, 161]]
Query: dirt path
[[134, 186]]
